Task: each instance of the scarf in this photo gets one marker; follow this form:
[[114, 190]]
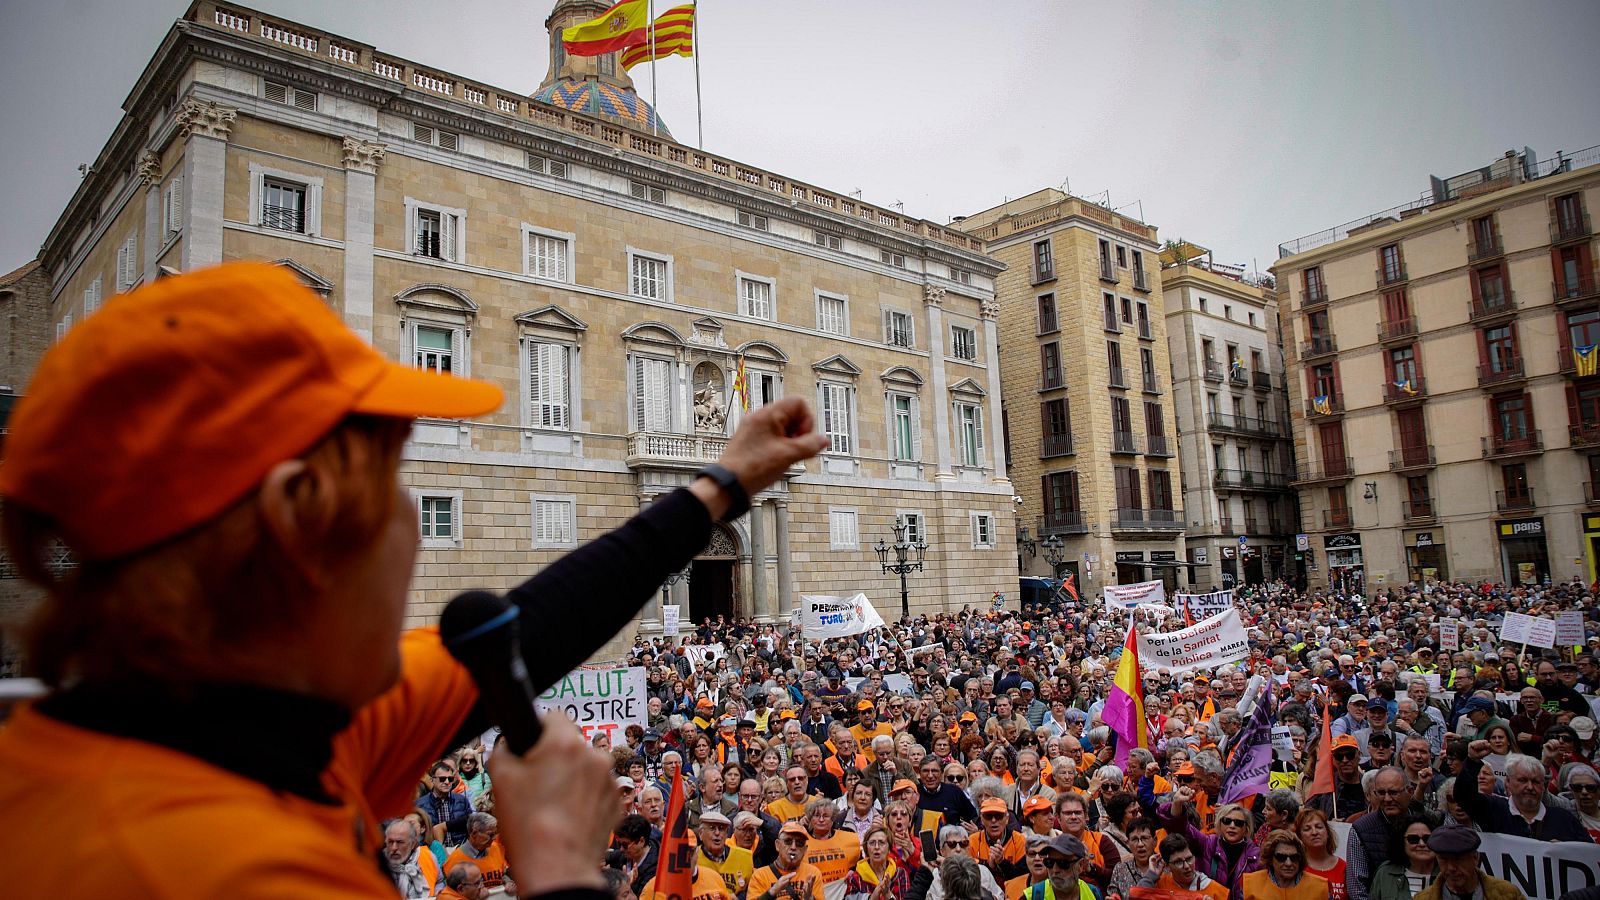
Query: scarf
[[408, 878], [870, 877]]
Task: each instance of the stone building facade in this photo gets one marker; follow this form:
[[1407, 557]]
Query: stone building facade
[[1444, 395], [1233, 432], [612, 280], [1091, 437]]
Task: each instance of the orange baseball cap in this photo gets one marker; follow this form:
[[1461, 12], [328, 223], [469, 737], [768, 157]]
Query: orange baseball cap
[[993, 804], [174, 401], [1184, 768], [1343, 741], [1035, 804], [864, 705], [903, 784]]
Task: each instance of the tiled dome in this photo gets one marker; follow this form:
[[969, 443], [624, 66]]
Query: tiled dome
[[596, 98]]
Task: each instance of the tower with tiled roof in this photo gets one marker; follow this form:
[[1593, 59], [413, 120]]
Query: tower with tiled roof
[[592, 85]]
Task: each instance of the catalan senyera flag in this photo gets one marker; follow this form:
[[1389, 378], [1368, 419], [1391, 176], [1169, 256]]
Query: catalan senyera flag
[[674, 36], [622, 26], [675, 871], [741, 386], [1124, 709], [1587, 360]]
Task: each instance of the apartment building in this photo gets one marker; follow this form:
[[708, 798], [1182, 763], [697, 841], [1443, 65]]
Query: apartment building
[[559, 242], [1090, 436], [1230, 404], [1444, 393]]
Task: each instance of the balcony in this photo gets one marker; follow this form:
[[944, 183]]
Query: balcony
[[1251, 526], [1041, 274], [1397, 329], [1213, 370], [1225, 526], [1146, 519], [1418, 510], [1238, 377], [1116, 377], [1065, 521], [1055, 445], [1319, 345], [1389, 276], [1584, 289], [1245, 425], [1505, 501], [1502, 371], [1112, 323], [1141, 281], [1108, 273], [1480, 248], [673, 450], [1246, 480], [1150, 383], [1332, 405], [1408, 459], [1156, 445], [1123, 442], [1340, 468], [1566, 229], [1584, 434], [1337, 518], [1145, 334], [1314, 297], [1486, 310], [1414, 392], [1501, 446], [1262, 381]]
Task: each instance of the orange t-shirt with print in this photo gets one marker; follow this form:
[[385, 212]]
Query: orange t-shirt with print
[[492, 864]]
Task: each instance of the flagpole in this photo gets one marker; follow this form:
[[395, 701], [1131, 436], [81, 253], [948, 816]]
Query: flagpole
[[694, 49], [655, 111]]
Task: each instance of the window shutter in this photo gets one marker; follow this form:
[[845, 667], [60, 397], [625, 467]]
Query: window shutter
[[277, 93], [1574, 415], [447, 140], [447, 237], [122, 266], [177, 204], [458, 356], [541, 517], [888, 327], [977, 429], [638, 394], [305, 100], [916, 429]]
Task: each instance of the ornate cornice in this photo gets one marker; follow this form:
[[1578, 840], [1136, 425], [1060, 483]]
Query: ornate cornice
[[205, 118], [149, 169], [990, 309], [362, 155], [933, 295]]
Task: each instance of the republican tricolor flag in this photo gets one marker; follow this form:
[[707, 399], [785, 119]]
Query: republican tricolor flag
[[1124, 709]]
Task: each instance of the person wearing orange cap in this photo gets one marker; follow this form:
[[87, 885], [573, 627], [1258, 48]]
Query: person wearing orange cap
[[1348, 799], [789, 877], [997, 843], [220, 456], [1039, 817], [868, 727]]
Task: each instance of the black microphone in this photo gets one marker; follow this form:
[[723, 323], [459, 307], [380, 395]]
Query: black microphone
[[480, 631]]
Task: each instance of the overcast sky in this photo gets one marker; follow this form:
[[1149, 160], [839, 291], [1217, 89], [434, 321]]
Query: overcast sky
[[1238, 125]]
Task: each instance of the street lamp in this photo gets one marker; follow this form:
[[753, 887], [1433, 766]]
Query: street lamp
[[903, 563], [1055, 554]]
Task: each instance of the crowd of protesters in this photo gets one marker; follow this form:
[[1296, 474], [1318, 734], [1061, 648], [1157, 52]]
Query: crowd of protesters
[[963, 755]]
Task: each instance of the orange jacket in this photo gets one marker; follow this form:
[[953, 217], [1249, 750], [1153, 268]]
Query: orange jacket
[[128, 814]]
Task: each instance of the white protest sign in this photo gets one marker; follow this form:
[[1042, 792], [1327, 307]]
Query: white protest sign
[[602, 699], [1433, 681], [1541, 870], [1216, 641], [1542, 633], [1518, 629], [1127, 596], [1569, 627], [669, 620], [830, 617], [699, 653], [1281, 739], [1203, 606], [1449, 636], [894, 683]]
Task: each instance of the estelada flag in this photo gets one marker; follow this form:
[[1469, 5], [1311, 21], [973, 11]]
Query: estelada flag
[[674, 36], [675, 869], [622, 26]]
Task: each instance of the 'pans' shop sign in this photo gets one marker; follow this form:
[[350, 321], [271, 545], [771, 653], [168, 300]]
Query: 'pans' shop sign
[[1521, 528]]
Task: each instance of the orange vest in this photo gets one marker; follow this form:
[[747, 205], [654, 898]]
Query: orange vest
[[836, 768], [428, 864], [492, 864]]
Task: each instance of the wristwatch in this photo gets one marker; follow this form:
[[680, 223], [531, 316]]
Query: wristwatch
[[738, 500]]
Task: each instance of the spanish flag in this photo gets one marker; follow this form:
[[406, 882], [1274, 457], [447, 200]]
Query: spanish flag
[[674, 36], [1585, 359], [622, 26]]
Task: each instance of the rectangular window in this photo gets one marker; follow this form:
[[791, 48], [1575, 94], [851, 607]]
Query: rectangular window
[[284, 205], [1044, 266], [282, 93], [763, 388], [831, 314], [912, 522], [1316, 292], [439, 520], [544, 165], [547, 256], [755, 298], [889, 258], [1047, 313], [1500, 349], [1511, 417], [1514, 478], [1127, 311], [1057, 421], [1569, 214], [969, 422], [1060, 496], [1491, 285], [898, 329], [1586, 404], [1126, 481], [646, 192], [1323, 382], [1154, 425], [648, 277], [1390, 266], [1122, 257], [1403, 365], [435, 349], [823, 239], [172, 207], [444, 140], [1050, 365], [963, 343], [548, 381], [1114, 373], [1330, 438], [553, 522], [834, 399], [1483, 233], [843, 533], [1108, 312], [652, 394], [903, 408], [982, 531], [436, 234], [128, 263], [1147, 369], [752, 220], [1583, 328], [1144, 321], [1413, 428], [1160, 489]]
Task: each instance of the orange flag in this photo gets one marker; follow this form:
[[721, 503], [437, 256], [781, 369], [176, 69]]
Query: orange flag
[[1322, 778], [675, 871]]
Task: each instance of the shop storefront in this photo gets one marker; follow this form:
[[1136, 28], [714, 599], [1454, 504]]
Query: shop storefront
[[1164, 565], [1130, 567], [1523, 557], [1591, 543], [1425, 557], [1346, 570]]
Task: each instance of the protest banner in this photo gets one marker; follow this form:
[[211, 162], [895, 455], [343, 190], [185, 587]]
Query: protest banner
[[669, 619], [1216, 641], [1542, 870], [1281, 739], [1449, 635], [1199, 607], [1249, 770], [1535, 632], [1542, 633], [894, 683], [830, 617], [1569, 627], [1127, 596], [699, 653], [607, 699]]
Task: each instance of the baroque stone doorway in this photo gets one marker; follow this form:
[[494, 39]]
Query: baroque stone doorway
[[713, 582]]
